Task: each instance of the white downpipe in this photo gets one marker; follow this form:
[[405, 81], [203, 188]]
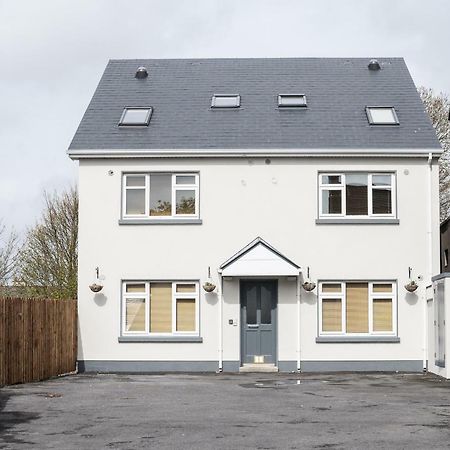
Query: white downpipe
[[220, 323], [298, 323], [430, 258]]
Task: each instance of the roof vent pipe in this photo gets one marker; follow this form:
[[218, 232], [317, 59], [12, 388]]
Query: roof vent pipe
[[141, 72], [374, 65]]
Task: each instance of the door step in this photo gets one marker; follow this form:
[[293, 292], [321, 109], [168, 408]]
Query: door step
[[258, 367]]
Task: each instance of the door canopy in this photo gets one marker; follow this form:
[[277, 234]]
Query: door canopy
[[259, 259]]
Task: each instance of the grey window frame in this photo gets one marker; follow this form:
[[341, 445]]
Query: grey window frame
[[370, 118], [303, 105], [143, 124], [215, 96]]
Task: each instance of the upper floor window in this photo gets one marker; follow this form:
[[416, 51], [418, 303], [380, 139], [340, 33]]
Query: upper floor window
[[136, 116], [226, 101], [160, 195], [357, 308], [155, 308], [357, 194], [382, 115]]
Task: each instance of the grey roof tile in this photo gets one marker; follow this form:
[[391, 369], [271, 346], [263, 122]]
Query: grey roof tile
[[180, 90]]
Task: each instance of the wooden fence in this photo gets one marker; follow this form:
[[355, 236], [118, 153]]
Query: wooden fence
[[38, 339]]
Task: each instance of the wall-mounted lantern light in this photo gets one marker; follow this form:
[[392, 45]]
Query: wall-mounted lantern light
[[96, 286], [208, 285], [308, 285], [412, 285]]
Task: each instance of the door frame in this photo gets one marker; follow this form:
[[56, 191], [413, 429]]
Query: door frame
[[241, 315]]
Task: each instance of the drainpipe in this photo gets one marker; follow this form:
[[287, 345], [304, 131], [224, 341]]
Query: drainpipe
[[298, 322], [429, 258], [220, 321]]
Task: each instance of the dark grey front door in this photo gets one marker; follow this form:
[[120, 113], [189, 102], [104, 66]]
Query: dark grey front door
[[258, 320]]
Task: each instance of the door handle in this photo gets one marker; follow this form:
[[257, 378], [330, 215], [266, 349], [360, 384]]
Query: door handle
[[249, 325]]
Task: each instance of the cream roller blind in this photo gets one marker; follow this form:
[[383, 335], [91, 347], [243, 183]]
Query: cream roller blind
[[357, 314], [186, 314], [331, 314], [382, 314], [161, 307]]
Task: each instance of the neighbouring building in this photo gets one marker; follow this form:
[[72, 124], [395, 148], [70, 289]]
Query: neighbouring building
[[302, 192]]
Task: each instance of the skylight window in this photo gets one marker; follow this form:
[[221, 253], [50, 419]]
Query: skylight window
[[292, 101], [381, 115], [226, 101], [136, 116]]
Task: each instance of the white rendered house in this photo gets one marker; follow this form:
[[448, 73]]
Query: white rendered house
[[247, 173]]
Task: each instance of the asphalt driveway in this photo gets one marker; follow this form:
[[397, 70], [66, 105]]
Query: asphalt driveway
[[260, 411]]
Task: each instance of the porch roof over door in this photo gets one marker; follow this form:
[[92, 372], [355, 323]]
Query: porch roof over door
[[259, 258]]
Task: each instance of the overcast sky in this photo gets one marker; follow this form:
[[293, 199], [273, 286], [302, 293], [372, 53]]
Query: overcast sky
[[52, 54]]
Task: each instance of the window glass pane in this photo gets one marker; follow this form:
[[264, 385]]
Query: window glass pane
[[382, 115], [135, 181], [135, 201], [382, 314], [225, 101], [331, 179], [331, 287], [185, 288], [161, 307], [331, 201], [382, 287], [160, 194], [291, 100], [381, 180], [186, 314], [357, 314], [185, 179], [135, 314], [331, 314], [135, 116], [135, 287], [251, 305], [356, 194], [266, 305], [185, 202], [382, 201]]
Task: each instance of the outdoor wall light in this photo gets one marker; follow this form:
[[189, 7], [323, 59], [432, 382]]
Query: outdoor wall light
[[412, 285], [308, 285], [209, 286], [96, 286]]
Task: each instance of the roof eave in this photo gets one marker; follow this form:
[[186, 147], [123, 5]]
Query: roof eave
[[245, 153]]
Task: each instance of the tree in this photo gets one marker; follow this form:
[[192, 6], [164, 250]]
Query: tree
[[437, 107], [48, 263], [9, 250]]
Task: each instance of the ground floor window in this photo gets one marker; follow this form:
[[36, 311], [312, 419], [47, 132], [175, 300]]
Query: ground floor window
[[160, 307], [357, 308]]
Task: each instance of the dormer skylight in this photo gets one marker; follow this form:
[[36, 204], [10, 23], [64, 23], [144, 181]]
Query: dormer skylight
[[292, 101], [226, 101], [136, 116], [381, 115]]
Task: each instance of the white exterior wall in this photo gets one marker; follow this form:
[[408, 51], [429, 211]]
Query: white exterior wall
[[241, 199]]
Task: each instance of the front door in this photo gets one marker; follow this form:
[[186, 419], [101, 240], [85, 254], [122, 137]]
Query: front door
[[258, 321]]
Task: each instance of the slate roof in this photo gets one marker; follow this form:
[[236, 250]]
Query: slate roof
[[180, 91]]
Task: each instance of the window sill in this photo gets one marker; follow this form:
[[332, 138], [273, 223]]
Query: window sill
[[368, 221], [357, 339], [160, 221], [160, 339]]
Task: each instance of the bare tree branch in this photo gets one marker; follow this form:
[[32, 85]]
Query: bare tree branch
[[9, 251], [48, 264], [437, 107]]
